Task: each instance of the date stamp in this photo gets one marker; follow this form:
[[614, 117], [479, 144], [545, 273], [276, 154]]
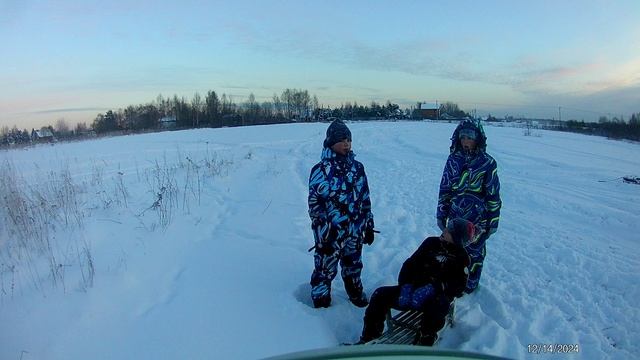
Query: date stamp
[[553, 348]]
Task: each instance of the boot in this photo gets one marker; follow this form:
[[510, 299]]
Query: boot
[[425, 339], [356, 295], [369, 334], [360, 301], [323, 302]]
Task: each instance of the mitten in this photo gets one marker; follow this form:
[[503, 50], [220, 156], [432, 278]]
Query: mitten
[[421, 295], [368, 236], [404, 301]]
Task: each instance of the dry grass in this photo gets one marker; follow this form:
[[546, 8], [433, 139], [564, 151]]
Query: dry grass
[[42, 224]]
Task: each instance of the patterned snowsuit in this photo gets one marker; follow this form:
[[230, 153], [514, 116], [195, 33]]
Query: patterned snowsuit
[[340, 211], [470, 189]]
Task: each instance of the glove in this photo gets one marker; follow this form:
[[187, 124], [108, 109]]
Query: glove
[[421, 295], [404, 301], [441, 224], [325, 248], [368, 236]]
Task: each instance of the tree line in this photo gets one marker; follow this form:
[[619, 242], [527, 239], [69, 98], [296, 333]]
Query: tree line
[[210, 110], [615, 128], [292, 105]]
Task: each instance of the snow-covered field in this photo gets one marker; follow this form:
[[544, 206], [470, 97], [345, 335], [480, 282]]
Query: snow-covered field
[[220, 269]]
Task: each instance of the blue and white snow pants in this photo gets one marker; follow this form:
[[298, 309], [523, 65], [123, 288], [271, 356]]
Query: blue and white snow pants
[[349, 255]]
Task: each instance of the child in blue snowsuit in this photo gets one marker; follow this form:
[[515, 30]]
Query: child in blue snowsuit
[[470, 189], [341, 218]]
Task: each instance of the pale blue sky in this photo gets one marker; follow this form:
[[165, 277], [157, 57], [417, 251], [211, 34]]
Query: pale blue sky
[[75, 59]]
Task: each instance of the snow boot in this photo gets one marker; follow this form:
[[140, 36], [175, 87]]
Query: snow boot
[[369, 333], [360, 301], [355, 293], [425, 339], [323, 302]]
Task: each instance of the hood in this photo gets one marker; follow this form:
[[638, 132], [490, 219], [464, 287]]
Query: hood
[[469, 124]]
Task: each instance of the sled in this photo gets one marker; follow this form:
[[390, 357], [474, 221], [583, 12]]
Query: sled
[[403, 327], [631, 180]]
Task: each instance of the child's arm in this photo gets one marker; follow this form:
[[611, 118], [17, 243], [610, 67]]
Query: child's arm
[[318, 194]]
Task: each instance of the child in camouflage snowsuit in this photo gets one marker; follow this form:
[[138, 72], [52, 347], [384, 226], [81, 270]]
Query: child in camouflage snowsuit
[[470, 189], [341, 218]]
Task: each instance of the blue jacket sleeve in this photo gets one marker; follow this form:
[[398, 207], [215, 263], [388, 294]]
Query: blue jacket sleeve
[[492, 197], [444, 195], [318, 193], [366, 204]]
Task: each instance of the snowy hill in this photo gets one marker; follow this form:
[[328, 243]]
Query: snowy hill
[[217, 266]]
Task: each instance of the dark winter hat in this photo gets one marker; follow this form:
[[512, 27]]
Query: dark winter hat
[[462, 231], [336, 132]]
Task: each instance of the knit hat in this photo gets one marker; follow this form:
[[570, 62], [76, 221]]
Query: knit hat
[[336, 132], [462, 231]]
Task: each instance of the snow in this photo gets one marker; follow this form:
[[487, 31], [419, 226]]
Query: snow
[[227, 278]]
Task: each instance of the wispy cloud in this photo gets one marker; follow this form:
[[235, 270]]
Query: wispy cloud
[[67, 110], [528, 75]]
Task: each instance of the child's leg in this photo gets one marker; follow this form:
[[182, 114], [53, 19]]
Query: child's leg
[[325, 270], [435, 312], [382, 300], [351, 264], [475, 268]]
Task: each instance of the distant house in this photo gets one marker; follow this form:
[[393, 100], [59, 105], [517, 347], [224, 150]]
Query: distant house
[[43, 135], [451, 118], [168, 122], [87, 133], [427, 111]]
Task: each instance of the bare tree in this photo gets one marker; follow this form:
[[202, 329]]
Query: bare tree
[[314, 103], [267, 111], [198, 107], [252, 109], [287, 102], [277, 105], [62, 128], [81, 128]]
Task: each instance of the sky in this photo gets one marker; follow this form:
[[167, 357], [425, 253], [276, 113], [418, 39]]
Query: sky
[[225, 273], [74, 59]]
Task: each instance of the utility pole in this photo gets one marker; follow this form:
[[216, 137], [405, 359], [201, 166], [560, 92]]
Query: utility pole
[[559, 113]]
